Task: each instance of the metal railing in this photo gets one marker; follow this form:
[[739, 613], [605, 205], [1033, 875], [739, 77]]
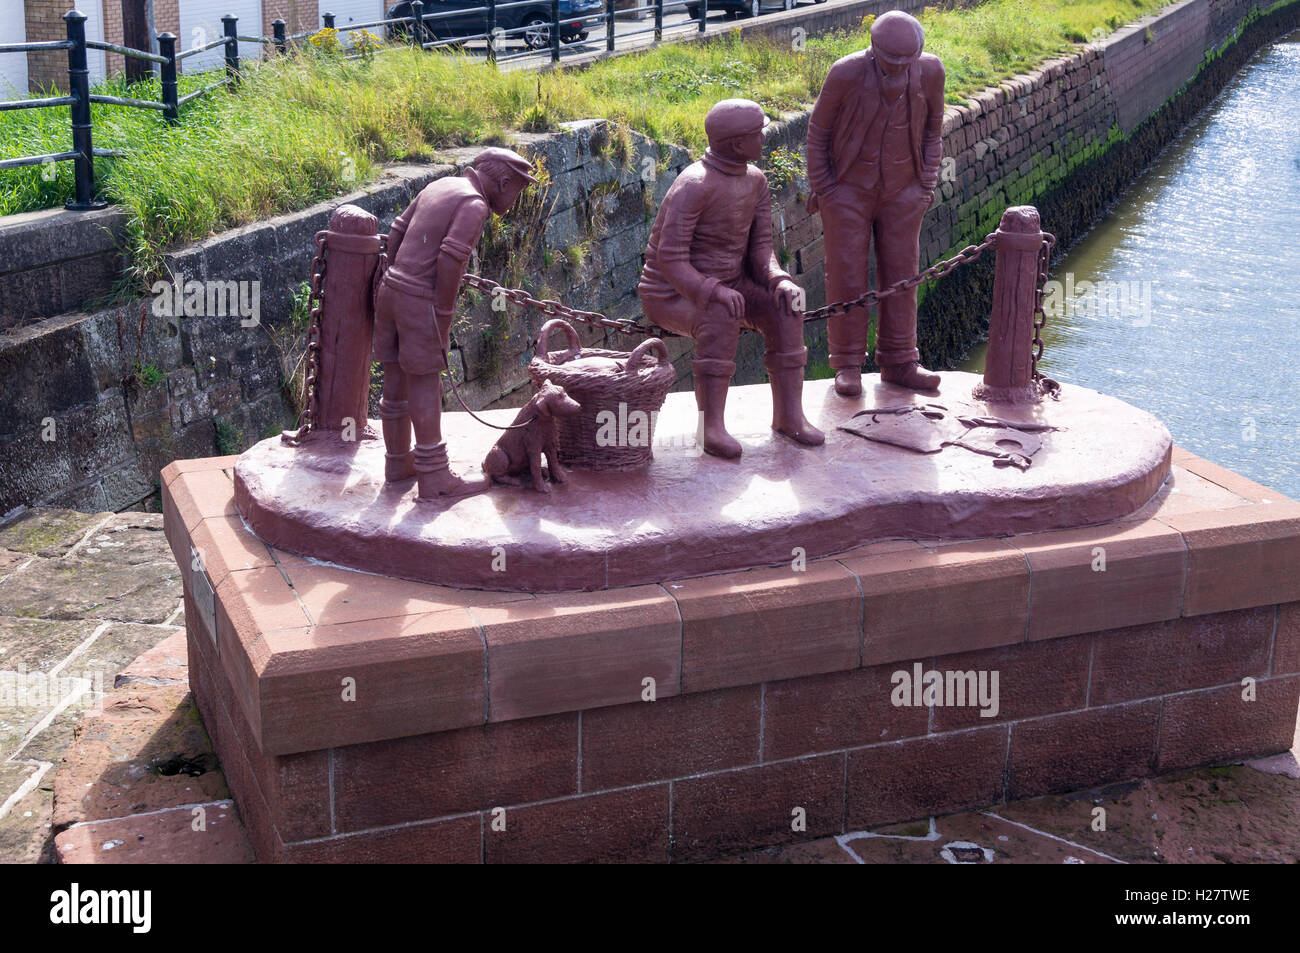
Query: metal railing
[[78, 102], [542, 37]]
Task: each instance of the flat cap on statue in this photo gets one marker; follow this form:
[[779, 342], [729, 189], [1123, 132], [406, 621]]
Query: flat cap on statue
[[733, 117], [897, 37], [512, 161]]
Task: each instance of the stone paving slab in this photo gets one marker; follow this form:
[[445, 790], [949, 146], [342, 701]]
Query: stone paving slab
[[9, 560], [49, 532], [128, 539], [38, 645], [162, 837], [71, 587], [25, 831], [82, 595], [164, 664], [145, 752]]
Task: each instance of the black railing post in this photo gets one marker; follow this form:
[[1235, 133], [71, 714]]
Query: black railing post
[[555, 31], [609, 25], [230, 24], [278, 33], [327, 21], [492, 30], [417, 33], [659, 21], [704, 13], [167, 50], [79, 88]]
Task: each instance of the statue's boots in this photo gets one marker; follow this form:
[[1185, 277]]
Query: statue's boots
[[435, 477], [712, 378], [786, 373], [911, 375], [848, 382], [399, 458]]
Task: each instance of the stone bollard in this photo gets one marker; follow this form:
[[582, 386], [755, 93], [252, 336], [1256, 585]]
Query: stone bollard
[[1009, 366], [351, 245]]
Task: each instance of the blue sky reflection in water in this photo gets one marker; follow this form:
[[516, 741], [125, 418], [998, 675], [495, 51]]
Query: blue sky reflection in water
[[1198, 321]]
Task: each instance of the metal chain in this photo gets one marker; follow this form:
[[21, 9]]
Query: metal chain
[[1045, 384], [630, 326], [935, 271], [867, 299], [311, 369], [553, 309]]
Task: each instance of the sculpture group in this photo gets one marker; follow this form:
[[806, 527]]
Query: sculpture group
[[710, 267]]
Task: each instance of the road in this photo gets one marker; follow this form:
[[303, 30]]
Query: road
[[630, 34]]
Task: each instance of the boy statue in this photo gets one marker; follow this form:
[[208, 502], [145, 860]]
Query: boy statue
[[710, 271], [429, 246]]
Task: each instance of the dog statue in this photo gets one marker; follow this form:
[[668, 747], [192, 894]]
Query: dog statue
[[519, 451]]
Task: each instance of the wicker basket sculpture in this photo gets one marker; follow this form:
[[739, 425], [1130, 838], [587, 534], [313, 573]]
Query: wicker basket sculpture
[[616, 381]]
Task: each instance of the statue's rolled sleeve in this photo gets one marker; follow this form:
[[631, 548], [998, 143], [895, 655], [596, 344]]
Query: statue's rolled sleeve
[[397, 231]]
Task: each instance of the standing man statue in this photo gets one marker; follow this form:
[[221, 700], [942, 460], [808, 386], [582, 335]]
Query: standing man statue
[[429, 246], [874, 151], [710, 271]]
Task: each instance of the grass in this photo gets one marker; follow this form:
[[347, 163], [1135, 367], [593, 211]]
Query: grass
[[148, 375], [230, 439], [310, 126]]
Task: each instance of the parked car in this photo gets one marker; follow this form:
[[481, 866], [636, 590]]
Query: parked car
[[739, 9], [468, 18]]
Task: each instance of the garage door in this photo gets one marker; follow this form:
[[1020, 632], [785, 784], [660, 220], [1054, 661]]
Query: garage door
[[13, 66], [201, 24], [354, 11], [93, 9]]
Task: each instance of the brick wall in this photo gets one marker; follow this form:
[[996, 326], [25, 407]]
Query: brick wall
[[167, 17], [298, 15], [114, 63], [45, 22]]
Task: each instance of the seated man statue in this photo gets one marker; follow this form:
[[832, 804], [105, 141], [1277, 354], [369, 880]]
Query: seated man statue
[[429, 246], [710, 271]]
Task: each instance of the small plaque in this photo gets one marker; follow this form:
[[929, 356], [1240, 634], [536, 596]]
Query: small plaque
[[205, 599]]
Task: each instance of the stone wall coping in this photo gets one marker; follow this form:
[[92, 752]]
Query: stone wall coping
[[39, 238], [290, 632]]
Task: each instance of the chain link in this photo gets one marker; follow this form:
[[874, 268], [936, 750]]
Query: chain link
[[554, 309], [938, 270], [1045, 384], [311, 361]]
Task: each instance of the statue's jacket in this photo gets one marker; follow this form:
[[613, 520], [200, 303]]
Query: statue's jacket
[[847, 105], [714, 226]]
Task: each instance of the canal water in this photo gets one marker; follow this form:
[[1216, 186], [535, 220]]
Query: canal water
[[1185, 299]]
